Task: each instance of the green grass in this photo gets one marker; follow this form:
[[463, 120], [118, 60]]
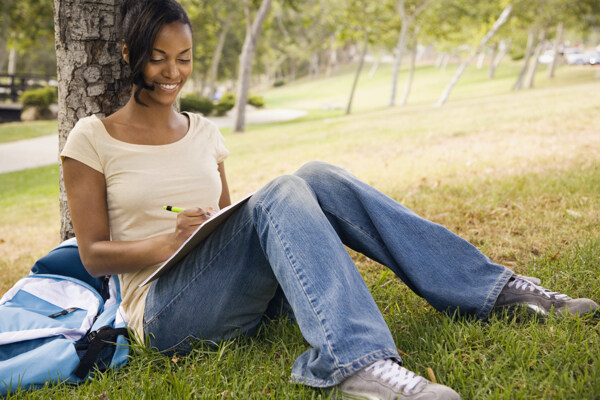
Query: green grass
[[13, 131], [517, 174]]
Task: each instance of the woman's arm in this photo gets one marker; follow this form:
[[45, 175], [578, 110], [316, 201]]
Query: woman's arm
[[225, 199], [86, 194]]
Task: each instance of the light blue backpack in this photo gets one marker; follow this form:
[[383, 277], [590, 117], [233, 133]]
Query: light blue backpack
[[59, 324]]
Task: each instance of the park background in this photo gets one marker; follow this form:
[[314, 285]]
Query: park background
[[512, 169]]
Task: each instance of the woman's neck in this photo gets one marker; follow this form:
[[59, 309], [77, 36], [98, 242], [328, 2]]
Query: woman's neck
[[154, 116], [153, 124]]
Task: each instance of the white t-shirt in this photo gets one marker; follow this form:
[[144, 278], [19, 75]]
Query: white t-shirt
[[141, 179]]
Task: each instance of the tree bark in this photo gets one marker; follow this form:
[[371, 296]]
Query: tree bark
[[499, 22], [91, 74], [246, 59], [216, 59], [557, 41], [528, 50], [534, 62], [358, 70]]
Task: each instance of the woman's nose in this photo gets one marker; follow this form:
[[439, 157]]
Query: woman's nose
[[171, 71]]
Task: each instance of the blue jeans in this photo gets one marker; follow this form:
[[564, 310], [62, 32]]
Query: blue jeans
[[289, 237]]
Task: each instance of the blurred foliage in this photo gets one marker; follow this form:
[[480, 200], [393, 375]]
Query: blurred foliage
[[225, 103], [195, 103], [42, 97], [312, 37]]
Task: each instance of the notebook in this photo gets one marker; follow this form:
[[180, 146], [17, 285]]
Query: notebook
[[199, 235]]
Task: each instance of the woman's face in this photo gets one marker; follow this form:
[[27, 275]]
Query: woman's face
[[170, 64]]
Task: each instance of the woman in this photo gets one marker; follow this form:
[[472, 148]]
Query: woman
[[283, 249]]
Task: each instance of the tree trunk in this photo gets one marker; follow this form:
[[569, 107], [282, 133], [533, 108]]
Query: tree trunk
[[246, 59], [499, 22], [374, 68], [492, 69], [397, 61], [3, 54], [498, 58], [528, 50], [314, 66], [359, 69], [536, 56], [216, 59], [332, 61], [406, 23], [480, 60], [411, 72], [557, 41], [91, 74], [293, 69]]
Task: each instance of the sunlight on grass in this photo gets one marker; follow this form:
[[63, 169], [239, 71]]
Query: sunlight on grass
[[515, 173]]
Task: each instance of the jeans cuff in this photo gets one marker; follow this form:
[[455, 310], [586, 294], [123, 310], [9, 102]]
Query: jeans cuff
[[494, 293], [345, 371]]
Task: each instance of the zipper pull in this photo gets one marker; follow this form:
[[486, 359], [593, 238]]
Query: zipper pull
[[63, 312]]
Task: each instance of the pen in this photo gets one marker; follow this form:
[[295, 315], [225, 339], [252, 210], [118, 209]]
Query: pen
[[174, 209]]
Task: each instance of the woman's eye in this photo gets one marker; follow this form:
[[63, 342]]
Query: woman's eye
[[185, 60], [155, 60]]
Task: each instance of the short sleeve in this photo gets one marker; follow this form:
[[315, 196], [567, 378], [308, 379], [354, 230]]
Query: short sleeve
[[221, 151], [80, 145], [215, 136]]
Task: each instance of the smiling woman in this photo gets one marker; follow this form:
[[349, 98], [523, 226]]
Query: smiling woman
[[281, 253]]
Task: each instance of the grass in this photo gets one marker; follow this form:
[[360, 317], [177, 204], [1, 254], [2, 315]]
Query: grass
[[517, 174], [13, 131]]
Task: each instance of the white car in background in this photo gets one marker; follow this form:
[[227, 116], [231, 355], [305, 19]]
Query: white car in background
[[575, 57], [593, 57]]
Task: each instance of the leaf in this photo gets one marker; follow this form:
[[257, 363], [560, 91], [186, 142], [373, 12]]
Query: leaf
[[431, 375]]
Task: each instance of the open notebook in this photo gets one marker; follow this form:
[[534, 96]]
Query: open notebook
[[200, 234]]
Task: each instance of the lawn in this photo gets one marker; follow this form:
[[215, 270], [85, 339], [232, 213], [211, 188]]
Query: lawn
[[515, 173], [12, 131]]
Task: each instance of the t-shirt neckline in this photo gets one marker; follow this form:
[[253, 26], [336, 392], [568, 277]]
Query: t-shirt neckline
[[181, 140]]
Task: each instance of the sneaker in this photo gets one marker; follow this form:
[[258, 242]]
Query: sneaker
[[387, 380], [526, 292]]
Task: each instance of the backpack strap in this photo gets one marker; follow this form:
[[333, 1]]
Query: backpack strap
[[97, 341]]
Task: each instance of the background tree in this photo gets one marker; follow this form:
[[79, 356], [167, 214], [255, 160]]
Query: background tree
[[217, 27], [364, 23], [409, 12], [497, 24], [92, 78], [253, 28], [26, 27]]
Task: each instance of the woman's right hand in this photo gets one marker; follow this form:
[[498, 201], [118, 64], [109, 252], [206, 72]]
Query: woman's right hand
[[188, 221]]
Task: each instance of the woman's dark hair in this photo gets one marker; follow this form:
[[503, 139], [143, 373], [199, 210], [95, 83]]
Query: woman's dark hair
[[142, 19]]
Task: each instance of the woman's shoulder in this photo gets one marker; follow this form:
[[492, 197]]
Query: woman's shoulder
[[202, 126], [200, 122], [90, 125]]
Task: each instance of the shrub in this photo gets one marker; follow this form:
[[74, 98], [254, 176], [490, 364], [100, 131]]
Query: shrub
[[195, 103], [256, 101], [278, 83], [41, 98], [226, 103]]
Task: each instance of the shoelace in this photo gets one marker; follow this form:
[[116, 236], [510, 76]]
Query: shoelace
[[395, 375], [522, 283]]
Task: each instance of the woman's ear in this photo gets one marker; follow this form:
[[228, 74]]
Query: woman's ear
[[125, 51]]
